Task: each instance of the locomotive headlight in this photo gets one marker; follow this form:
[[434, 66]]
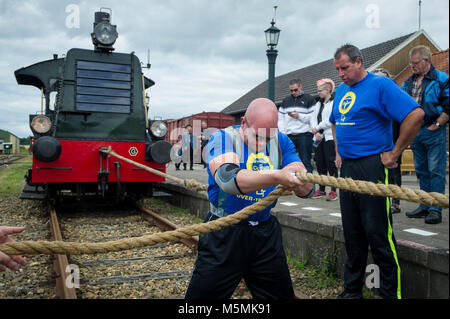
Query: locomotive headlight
[[41, 124], [158, 128], [105, 33]]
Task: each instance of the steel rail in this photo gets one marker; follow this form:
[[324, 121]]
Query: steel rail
[[60, 262], [192, 242], [165, 225]]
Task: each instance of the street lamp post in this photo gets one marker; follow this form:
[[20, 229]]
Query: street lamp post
[[272, 35]]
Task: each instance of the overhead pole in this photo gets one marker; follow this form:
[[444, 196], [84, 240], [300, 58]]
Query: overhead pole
[[420, 14]]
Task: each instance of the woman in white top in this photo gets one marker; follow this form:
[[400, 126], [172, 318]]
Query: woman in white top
[[323, 137]]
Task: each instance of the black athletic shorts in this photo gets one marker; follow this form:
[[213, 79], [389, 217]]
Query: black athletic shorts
[[254, 253]]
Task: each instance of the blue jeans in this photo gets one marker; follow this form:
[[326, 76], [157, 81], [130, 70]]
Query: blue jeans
[[303, 144], [430, 161]]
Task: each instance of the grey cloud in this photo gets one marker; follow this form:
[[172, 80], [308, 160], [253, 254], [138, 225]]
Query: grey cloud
[[204, 54]]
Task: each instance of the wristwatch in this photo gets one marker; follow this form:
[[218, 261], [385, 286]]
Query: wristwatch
[[437, 124]]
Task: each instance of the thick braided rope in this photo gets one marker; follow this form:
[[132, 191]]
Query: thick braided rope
[[73, 248], [190, 184], [364, 187], [58, 247]]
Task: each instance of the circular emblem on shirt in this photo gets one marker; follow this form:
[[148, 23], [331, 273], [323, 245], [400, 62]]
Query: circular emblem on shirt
[[259, 162], [347, 102]]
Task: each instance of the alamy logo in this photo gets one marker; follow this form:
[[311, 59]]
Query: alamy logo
[[373, 278], [73, 19], [373, 19], [73, 277]]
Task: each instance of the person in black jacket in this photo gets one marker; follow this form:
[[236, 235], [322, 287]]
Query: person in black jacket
[[294, 117]]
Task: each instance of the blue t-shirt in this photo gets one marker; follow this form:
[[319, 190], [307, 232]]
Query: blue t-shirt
[[221, 143], [363, 115]]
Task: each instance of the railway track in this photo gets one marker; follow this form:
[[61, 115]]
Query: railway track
[[159, 271], [9, 159]]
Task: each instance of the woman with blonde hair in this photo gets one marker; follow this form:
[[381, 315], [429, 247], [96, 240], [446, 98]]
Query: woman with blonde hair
[[323, 137]]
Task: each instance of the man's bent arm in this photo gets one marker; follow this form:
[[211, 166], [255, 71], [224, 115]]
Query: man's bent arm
[[409, 128], [251, 181], [338, 160]]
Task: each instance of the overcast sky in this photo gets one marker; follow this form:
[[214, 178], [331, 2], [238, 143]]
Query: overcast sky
[[204, 54]]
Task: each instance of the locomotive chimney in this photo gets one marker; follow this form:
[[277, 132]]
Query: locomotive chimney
[[100, 17]]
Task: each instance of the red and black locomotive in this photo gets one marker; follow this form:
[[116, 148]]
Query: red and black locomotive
[[99, 101]]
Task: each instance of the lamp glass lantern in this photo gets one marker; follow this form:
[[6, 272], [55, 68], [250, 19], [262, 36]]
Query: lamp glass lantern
[[272, 35]]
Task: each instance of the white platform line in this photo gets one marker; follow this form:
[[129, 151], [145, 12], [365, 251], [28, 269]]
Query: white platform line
[[419, 232], [311, 208], [288, 204], [336, 215]]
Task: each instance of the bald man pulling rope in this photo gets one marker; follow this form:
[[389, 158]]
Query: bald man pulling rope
[[245, 163]]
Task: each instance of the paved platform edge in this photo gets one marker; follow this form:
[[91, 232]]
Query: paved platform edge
[[424, 270]]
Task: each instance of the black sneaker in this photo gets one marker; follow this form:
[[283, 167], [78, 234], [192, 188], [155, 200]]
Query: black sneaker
[[417, 213], [350, 295], [434, 217]]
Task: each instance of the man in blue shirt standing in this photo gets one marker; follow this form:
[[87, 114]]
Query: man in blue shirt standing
[[244, 164], [363, 110]]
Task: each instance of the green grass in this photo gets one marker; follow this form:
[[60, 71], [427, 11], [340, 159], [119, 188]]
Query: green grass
[[316, 277], [12, 177], [155, 202], [300, 265], [179, 210], [323, 276]]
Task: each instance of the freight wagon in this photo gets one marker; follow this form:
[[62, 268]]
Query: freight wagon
[[215, 120]]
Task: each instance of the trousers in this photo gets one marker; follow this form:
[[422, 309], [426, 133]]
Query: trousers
[[430, 161], [241, 251], [303, 145], [325, 155], [367, 221]]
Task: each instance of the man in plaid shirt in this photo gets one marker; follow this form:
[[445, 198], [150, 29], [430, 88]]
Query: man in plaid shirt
[[429, 87]]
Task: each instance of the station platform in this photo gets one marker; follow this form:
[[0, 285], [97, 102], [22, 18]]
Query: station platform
[[312, 225]]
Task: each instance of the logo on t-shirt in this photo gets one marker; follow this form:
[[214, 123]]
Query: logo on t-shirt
[[346, 103], [258, 162]]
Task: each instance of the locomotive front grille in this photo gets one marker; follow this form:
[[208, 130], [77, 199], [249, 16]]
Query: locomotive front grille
[[103, 87]]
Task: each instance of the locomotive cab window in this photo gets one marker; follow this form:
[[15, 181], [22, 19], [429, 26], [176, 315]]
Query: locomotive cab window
[[53, 95], [103, 87], [52, 101]]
